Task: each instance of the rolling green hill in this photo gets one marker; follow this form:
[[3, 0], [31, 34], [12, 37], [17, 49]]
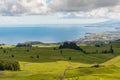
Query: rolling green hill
[[48, 63]]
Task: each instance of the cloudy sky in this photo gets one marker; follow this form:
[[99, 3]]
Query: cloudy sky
[[58, 11]]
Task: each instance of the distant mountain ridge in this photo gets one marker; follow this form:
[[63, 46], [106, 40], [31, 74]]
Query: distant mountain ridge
[[109, 23]]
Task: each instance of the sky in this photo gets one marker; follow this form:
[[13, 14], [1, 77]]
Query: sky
[[58, 11]]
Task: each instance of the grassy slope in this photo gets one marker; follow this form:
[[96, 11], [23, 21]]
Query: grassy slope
[[109, 71], [51, 64]]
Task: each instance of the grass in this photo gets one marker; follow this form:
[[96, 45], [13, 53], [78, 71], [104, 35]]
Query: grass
[[39, 70], [46, 45], [51, 64]]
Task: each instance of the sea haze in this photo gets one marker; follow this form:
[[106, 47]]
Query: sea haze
[[13, 34]]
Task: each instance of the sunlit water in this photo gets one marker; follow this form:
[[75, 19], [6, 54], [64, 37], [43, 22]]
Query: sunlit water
[[13, 34]]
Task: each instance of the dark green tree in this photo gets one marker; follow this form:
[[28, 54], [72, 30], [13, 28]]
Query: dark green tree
[[70, 45], [111, 49], [70, 58]]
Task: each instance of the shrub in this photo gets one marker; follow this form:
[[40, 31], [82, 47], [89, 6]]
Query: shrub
[[37, 56], [12, 56], [95, 65], [9, 65], [61, 51], [111, 49], [69, 58], [4, 51], [97, 45], [31, 57], [1, 47], [54, 49], [27, 50]]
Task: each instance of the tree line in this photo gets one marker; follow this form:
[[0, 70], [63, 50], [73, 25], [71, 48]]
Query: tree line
[[72, 45]]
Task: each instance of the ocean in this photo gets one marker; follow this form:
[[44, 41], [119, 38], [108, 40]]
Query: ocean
[[13, 34]]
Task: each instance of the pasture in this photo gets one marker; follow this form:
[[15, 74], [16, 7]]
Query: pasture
[[48, 63]]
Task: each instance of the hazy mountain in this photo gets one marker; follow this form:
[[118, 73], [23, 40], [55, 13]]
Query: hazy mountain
[[110, 23]]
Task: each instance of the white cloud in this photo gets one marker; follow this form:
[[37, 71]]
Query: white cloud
[[80, 5], [22, 7], [86, 8], [110, 13], [62, 8]]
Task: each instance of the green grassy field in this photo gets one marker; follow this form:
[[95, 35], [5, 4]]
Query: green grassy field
[[52, 65]]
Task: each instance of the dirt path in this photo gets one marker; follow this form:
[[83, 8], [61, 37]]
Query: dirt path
[[62, 77], [68, 68]]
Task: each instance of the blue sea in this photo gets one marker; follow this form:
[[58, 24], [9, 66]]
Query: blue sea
[[13, 34]]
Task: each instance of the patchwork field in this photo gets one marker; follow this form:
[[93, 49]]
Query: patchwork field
[[47, 63]]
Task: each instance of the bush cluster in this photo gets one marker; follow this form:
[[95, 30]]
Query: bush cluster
[[70, 45], [9, 65], [23, 45], [111, 50]]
